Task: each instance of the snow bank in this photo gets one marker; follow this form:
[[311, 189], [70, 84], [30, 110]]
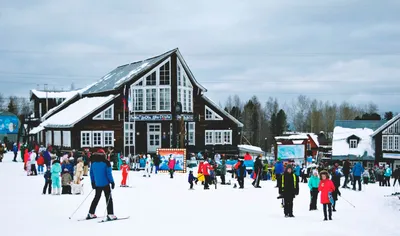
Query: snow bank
[[340, 146]]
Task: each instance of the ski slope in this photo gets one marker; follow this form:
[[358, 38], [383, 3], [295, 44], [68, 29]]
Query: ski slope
[[163, 206]]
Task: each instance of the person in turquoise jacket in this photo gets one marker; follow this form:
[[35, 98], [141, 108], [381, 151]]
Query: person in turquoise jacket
[[313, 184], [55, 177], [297, 170], [388, 174]]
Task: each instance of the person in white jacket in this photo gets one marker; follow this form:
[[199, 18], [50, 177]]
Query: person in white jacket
[[148, 166], [32, 162]]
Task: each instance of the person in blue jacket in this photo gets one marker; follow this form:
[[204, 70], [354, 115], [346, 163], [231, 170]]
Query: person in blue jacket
[[101, 178], [47, 159], [387, 175], [297, 170], [279, 169], [358, 169], [15, 151]]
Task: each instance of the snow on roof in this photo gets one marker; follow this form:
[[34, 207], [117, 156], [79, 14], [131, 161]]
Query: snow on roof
[[314, 138], [240, 124], [340, 146], [51, 95], [299, 136], [75, 112], [250, 148], [36, 130], [387, 124]]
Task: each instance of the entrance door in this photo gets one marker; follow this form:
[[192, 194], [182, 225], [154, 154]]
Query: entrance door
[[153, 137]]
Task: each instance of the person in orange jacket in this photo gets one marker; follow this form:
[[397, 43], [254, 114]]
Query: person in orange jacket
[[125, 171], [26, 158], [326, 187], [40, 163]]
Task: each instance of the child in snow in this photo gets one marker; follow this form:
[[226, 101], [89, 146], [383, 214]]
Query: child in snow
[[66, 180], [191, 179], [125, 170], [148, 166], [40, 163], [365, 176], [313, 184], [326, 187], [55, 177], [47, 183]]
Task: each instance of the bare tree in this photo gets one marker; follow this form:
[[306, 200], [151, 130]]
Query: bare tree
[[24, 106], [2, 102]]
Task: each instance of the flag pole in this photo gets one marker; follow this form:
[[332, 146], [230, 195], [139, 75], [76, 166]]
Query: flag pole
[[134, 121], [124, 104]]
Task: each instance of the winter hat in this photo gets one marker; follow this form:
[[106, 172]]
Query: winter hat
[[315, 172], [66, 170], [289, 166], [324, 172], [100, 150]]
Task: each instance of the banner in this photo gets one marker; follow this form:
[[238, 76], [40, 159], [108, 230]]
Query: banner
[[178, 154], [9, 125], [286, 152]]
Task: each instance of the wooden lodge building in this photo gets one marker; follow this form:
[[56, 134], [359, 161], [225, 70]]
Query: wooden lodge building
[[140, 107]]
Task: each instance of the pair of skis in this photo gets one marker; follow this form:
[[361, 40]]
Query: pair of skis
[[105, 220]]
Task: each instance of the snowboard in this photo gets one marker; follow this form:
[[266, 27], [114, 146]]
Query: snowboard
[[331, 198], [122, 218]]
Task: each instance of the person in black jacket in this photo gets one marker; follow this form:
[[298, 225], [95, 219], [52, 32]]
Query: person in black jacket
[[258, 167], [47, 183], [396, 176], [156, 162], [346, 173], [336, 175], [288, 189], [241, 173]]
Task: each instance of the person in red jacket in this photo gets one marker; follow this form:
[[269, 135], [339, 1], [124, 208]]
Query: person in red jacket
[[125, 171], [40, 163], [206, 172], [326, 187], [26, 158]]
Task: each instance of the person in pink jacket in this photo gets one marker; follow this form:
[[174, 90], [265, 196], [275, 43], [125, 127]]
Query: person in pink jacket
[[171, 166]]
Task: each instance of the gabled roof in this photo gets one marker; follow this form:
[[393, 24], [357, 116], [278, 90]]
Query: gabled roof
[[240, 124], [385, 125], [53, 95], [130, 72], [359, 124], [76, 112]]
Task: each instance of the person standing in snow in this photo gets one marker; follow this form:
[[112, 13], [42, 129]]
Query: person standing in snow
[[47, 158], [336, 175], [171, 166], [396, 176], [297, 170], [365, 176], [15, 151], [101, 178], [40, 163], [66, 180], [304, 174], [47, 182], [32, 162], [326, 187], [55, 177], [148, 166], [358, 169], [258, 167], [191, 179], [125, 172], [206, 172], [387, 175], [346, 173], [79, 171], [85, 157], [156, 162], [288, 189], [223, 171], [313, 184], [279, 169]]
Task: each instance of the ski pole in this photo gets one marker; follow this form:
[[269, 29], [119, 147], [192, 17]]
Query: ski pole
[[80, 204], [348, 202], [108, 201]]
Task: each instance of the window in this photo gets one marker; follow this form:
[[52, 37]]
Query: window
[[108, 138], [179, 76], [384, 142], [184, 101], [86, 138], [228, 137], [138, 99], [390, 142], [209, 137], [97, 139], [151, 99], [396, 143], [184, 81], [48, 137], [190, 102], [140, 83], [353, 143], [109, 113], [151, 79], [218, 137], [211, 115], [129, 133], [66, 138], [171, 132], [396, 127], [57, 138], [191, 133], [98, 116], [180, 95], [164, 74], [165, 99]]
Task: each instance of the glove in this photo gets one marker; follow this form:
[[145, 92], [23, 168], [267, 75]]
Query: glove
[[112, 185], [93, 185]]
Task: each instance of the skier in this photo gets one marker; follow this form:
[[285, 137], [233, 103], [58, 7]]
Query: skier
[[288, 189], [101, 177], [148, 166], [55, 177], [125, 172], [396, 176], [15, 151], [47, 183], [326, 187], [66, 180], [313, 184], [346, 173], [258, 166], [336, 175], [279, 169], [240, 173], [387, 175], [191, 179], [357, 171], [171, 166]]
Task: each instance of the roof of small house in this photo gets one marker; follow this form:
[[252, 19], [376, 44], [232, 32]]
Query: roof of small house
[[130, 72], [53, 95], [75, 112], [250, 148], [385, 125], [341, 148], [211, 102], [299, 136], [359, 124]]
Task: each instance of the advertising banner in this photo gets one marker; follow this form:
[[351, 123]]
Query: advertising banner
[[9, 125], [178, 154], [286, 152]]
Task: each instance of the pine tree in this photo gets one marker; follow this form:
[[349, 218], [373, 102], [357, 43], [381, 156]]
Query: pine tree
[[281, 122], [12, 105]]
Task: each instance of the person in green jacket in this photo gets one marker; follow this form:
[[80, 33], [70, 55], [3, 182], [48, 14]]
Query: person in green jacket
[[313, 184]]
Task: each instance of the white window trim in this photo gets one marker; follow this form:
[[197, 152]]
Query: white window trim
[[57, 138], [89, 139], [385, 137], [98, 116], [215, 116], [353, 141], [112, 112], [101, 138], [390, 143], [165, 97], [214, 140], [396, 143], [222, 133], [230, 135], [188, 88], [193, 131], [112, 138], [49, 139], [212, 137], [129, 131]]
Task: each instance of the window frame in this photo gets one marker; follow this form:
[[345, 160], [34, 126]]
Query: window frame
[[390, 142], [111, 144], [192, 133], [396, 143], [108, 109], [214, 115], [207, 132], [66, 138], [89, 139], [229, 132], [101, 144], [353, 144], [58, 136], [385, 140]]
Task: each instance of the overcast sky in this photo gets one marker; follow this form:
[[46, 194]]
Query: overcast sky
[[332, 50]]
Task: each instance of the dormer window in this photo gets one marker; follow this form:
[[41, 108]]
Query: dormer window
[[353, 143]]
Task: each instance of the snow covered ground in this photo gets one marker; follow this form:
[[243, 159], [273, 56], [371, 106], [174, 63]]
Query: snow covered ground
[[163, 206]]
